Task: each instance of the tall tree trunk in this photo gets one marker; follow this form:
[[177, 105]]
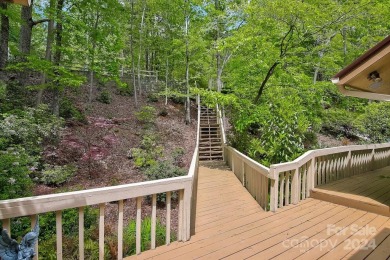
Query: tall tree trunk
[[4, 37], [188, 103], [57, 56], [92, 65], [132, 54], [344, 34], [218, 55], [166, 81], [49, 44], [140, 49], [26, 31]]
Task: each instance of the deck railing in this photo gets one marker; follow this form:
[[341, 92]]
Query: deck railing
[[288, 183], [293, 181], [253, 175], [186, 186]]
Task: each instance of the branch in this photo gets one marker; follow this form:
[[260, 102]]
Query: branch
[[40, 21], [269, 74]]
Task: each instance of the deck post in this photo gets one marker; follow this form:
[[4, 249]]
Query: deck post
[[187, 213], [274, 191]]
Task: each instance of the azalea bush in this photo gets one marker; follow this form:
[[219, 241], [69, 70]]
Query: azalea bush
[[16, 165], [32, 128]]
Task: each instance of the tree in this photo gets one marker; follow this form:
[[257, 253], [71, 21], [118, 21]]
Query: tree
[[4, 35]]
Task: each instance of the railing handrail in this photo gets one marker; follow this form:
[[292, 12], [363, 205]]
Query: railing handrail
[[29, 206], [60, 201], [280, 167], [264, 170], [221, 123]]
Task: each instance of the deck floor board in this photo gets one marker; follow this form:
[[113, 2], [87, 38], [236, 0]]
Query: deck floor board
[[230, 224]]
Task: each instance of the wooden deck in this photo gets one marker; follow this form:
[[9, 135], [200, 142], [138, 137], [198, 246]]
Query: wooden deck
[[368, 191], [230, 224]]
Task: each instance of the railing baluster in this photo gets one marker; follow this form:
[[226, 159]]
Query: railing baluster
[[181, 208], [295, 186], [168, 220], [281, 192], [138, 227], [59, 234], [101, 231], [81, 233], [287, 190], [120, 230], [153, 227], [33, 223], [243, 173], [7, 225]]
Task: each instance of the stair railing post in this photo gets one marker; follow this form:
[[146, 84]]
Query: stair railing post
[[274, 192]]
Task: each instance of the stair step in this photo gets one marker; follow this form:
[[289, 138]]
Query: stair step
[[210, 144], [214, 149], [210, 158], [211, 153], [205, 127]]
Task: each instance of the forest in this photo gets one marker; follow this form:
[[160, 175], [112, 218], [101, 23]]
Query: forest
[[64, 64]]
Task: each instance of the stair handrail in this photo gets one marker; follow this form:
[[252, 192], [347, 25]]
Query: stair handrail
[[221, 123]]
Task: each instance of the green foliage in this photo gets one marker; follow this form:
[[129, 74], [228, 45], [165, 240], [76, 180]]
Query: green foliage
[[15, 168], [3, 91], [375, 122], [126, 90], [164, 170], [69, 111], [152, 97], [148, 153], [47, 236], [31, 128], [163, 113], [177, 154], [104, 97], [58, 77], [56, 175], [130, 231], [146, 115], [340, 122], [14, 97]]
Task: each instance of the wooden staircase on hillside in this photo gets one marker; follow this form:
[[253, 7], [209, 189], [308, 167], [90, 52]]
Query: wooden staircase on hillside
[[210, 143]]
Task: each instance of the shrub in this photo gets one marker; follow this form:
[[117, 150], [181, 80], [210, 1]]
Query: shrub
[[15, 168], [163, 170], [57, 175], [339, 122], [126, 91], [163, 113], [375, 122], [146, 114], [177, 154], [148, 153], [104, 97], [153, 97], [31, 128], [69, 111], [3, 91], [129, 236], [14, 96]]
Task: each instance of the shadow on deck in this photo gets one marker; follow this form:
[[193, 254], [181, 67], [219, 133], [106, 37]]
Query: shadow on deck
[[230, 224], [368, 191]]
